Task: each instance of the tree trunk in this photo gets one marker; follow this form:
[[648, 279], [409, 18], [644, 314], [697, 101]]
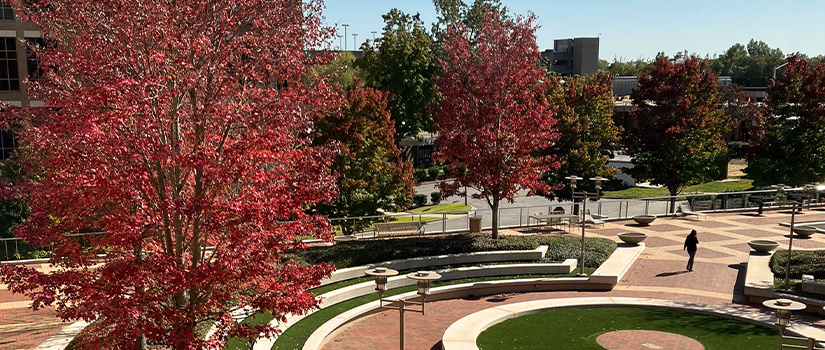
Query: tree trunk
[[494, 208], [672, 191], [140, 343]]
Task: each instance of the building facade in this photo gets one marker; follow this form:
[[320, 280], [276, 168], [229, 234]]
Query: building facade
[[577, 56], [16, 63]]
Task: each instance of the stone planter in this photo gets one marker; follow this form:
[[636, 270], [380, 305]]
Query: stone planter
[[804, 231], [763, 246], [632, 238], [644, 220]]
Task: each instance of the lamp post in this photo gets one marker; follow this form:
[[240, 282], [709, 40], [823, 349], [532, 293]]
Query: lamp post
[[354, 38], [423, 280], [782, 309], [584, 195], [345, 35], [775, 69], [790, 248]]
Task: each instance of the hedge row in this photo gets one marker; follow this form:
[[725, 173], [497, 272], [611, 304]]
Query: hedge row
[[803, 262], [356, 253]]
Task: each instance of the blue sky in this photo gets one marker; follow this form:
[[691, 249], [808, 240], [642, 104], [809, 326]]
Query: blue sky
[[631, 29]]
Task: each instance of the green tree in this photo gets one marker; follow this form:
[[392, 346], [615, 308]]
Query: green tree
[[403, 64], [340, 71], [679, 140], [631, 68], [452, 12], [789, 142], [584, 122], [12, 211], [749, 65], [370, 176]]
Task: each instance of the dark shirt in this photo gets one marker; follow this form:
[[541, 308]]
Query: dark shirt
[[690, 243]]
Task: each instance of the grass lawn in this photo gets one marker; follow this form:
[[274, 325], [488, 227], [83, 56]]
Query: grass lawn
[[450, 208], [577, 329], [709, 187]]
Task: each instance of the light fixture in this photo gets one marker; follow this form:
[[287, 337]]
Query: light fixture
[[423, 279], [782, 310], [381, 274], [573, 179]]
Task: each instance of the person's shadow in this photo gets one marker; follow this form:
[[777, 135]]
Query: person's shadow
[[668, 274]]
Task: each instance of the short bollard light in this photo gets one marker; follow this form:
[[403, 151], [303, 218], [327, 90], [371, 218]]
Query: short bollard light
[[381, 274]]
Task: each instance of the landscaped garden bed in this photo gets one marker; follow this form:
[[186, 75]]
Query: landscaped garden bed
[[356, 253], [804, 262]]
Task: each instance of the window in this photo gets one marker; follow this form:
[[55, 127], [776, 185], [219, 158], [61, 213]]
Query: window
[[32, 63], [6, 144], [6, 11], [9, 78]]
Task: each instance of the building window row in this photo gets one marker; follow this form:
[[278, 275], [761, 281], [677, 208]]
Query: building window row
[[6, 12]]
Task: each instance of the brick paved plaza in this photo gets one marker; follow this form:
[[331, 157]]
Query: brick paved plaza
[[658, 273]]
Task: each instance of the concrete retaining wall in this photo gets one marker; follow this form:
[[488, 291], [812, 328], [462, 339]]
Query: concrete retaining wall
[[439, 260]]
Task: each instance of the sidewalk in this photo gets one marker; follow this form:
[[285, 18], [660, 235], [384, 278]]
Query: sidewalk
[[659, 273], [22, 328]]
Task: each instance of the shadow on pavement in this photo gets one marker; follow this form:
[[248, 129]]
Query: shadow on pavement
[[668, 274], [739, 287]]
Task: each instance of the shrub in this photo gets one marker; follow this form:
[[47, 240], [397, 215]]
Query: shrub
[[421, 174], [420, 200], [804, 262], [355, 253], [435, 197], [432, 173]]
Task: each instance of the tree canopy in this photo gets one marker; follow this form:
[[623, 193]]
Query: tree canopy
[[370, 175], [679, 139], [181, 130], [494, 118], [403, 64], [584, 121], [788, 144], [750, 65]]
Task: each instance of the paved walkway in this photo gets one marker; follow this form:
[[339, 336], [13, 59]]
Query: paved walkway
[[659, 273], [20, 327], [717, 278]]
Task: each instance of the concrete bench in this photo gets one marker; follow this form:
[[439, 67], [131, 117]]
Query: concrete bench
[[390, 229]]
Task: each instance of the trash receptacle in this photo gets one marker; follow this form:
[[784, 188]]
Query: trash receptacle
[[475, 224]]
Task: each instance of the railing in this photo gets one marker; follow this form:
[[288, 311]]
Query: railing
[[15, 248], [515, 217], [606, 209]]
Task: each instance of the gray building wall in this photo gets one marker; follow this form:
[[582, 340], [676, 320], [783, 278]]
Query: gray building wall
[[577, 56]]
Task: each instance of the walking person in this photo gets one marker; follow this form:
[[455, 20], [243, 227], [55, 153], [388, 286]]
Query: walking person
[[690, 245]]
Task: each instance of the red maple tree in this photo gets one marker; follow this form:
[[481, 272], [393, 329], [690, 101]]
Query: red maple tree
[[493, 116], [182, 131], [679, 139]]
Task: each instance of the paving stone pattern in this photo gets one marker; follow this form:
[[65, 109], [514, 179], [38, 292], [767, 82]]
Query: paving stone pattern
[[641, 339]]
